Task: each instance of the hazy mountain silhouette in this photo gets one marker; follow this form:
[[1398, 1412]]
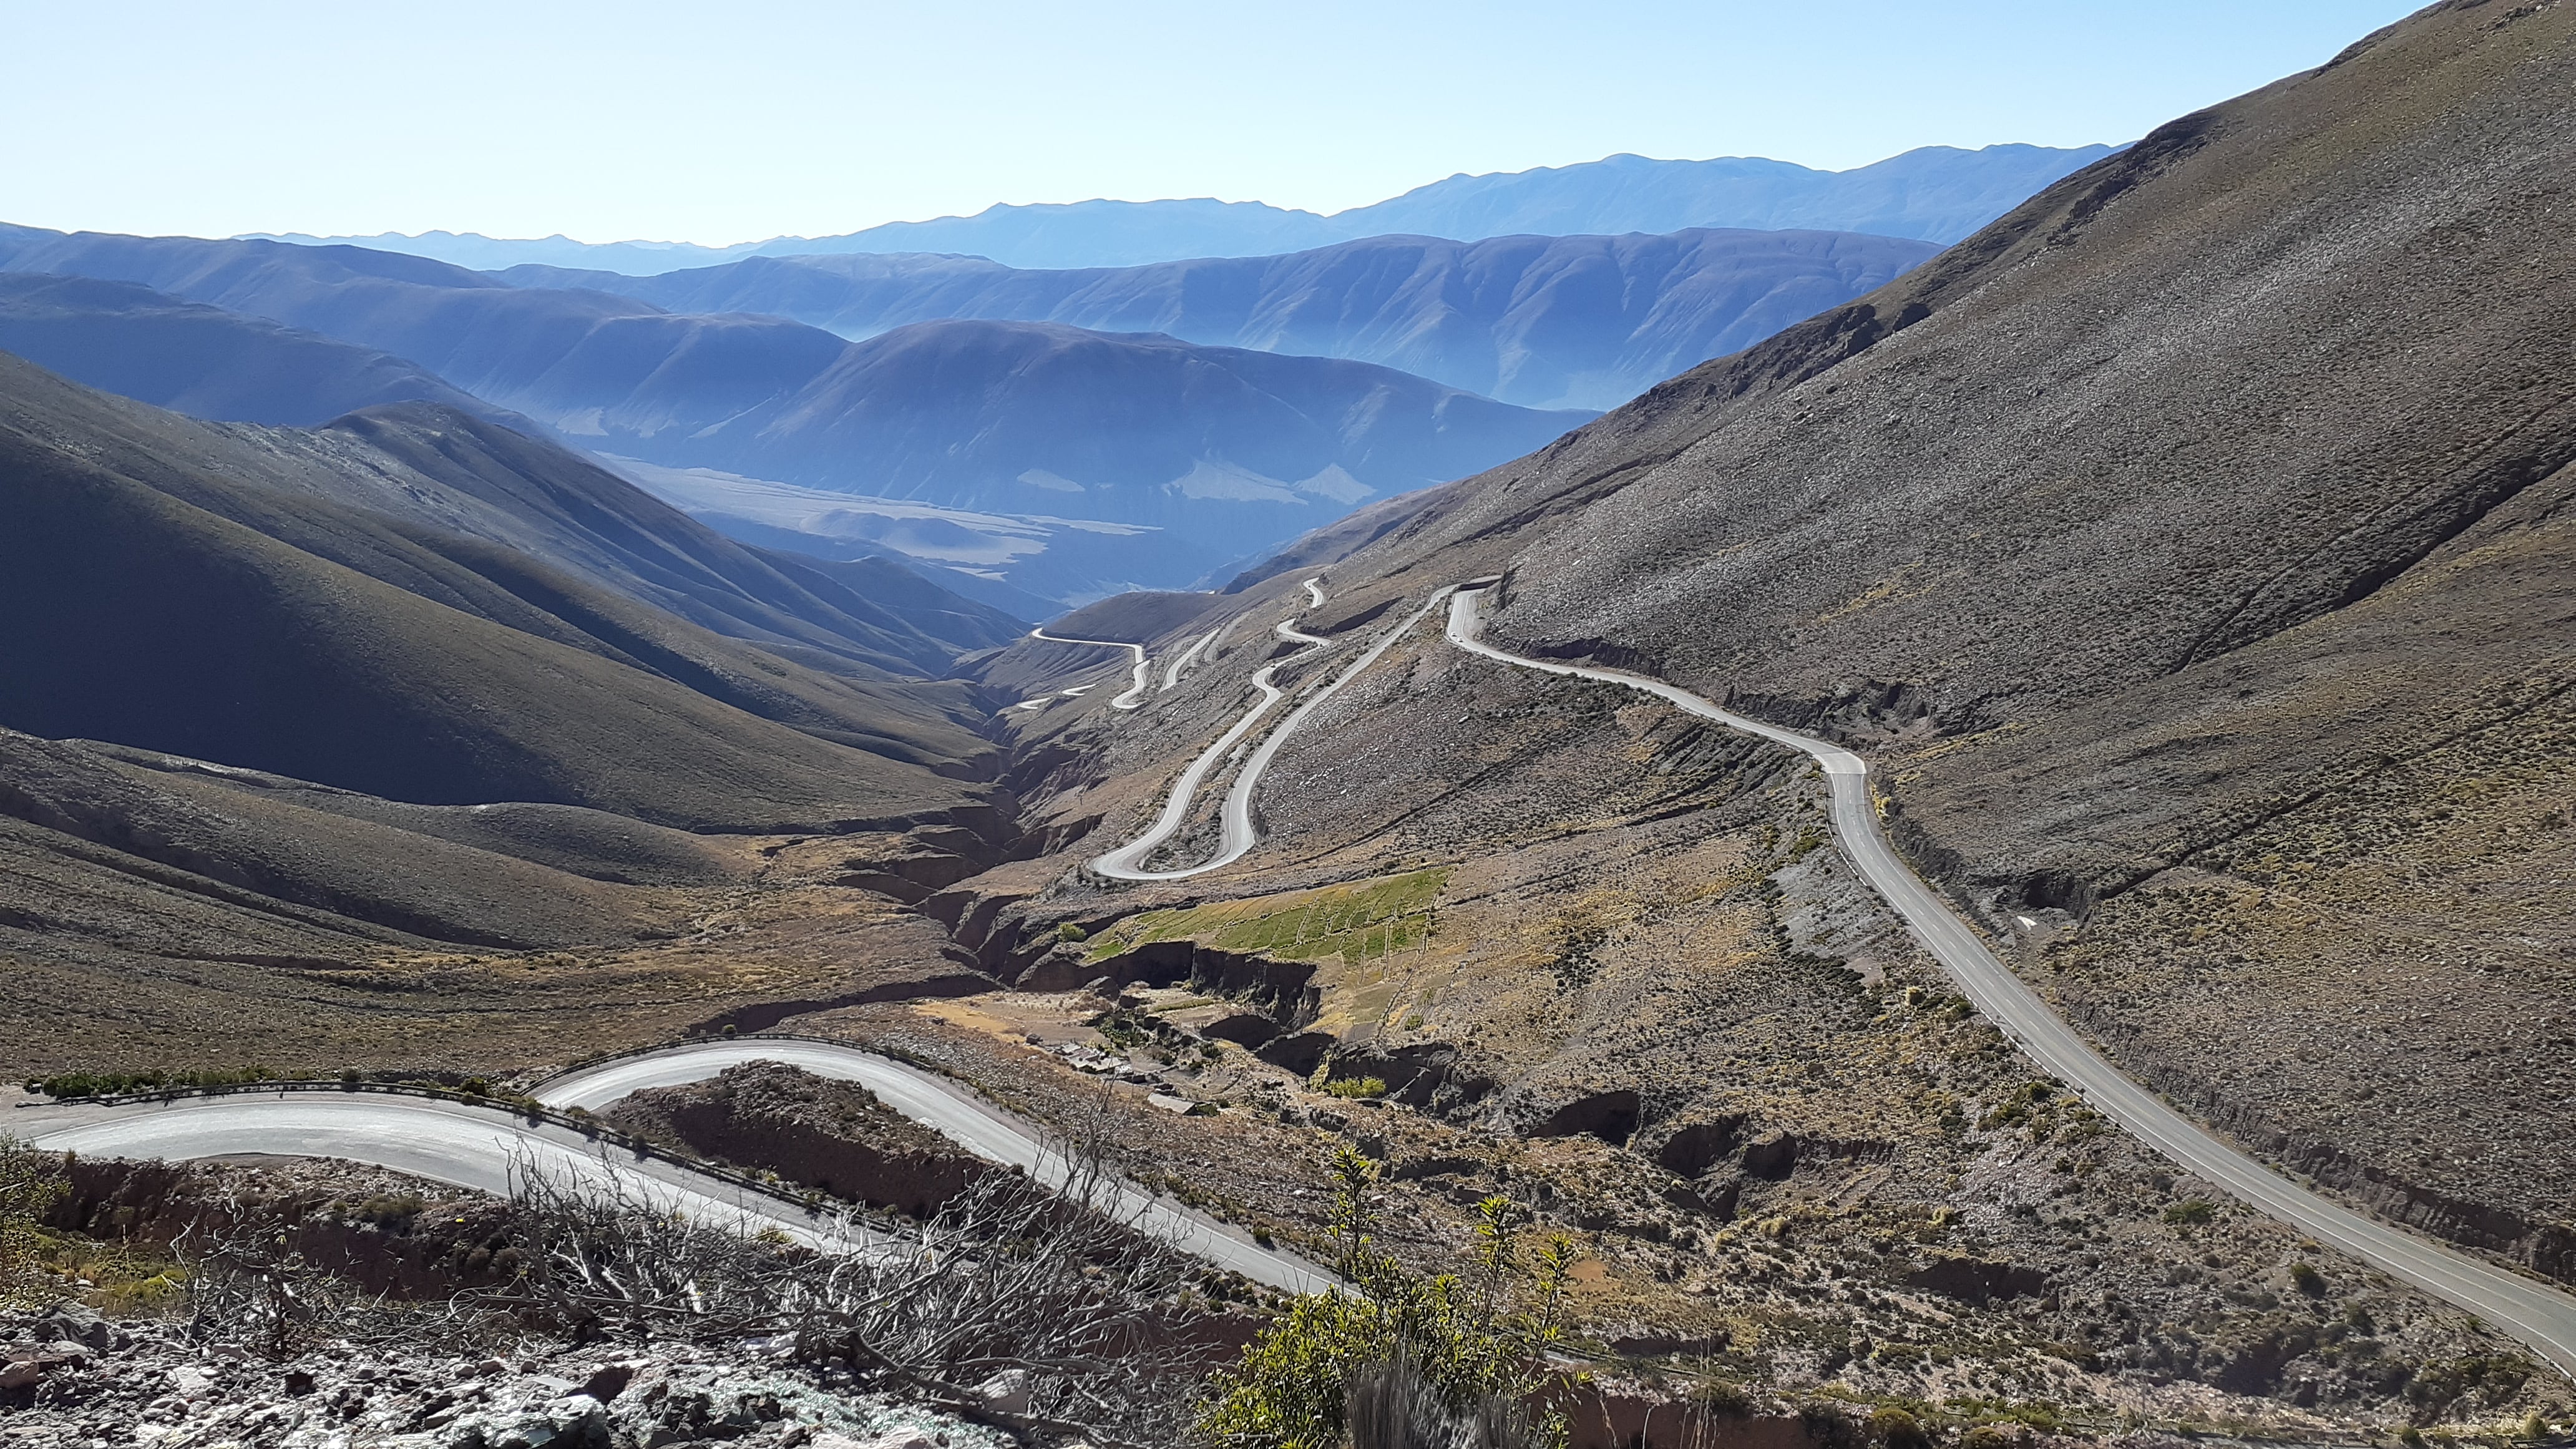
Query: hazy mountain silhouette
[[538, 499], [1585, 321], [1226, 452], [1935, 193], [204, 361]]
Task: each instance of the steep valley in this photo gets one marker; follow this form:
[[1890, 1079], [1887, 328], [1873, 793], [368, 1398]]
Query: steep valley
[[2187, 553]]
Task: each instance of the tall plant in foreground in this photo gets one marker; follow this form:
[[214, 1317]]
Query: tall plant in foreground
[[30, 1184], [1399, 1360]]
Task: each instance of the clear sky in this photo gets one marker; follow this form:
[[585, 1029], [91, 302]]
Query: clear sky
[[718, 121]]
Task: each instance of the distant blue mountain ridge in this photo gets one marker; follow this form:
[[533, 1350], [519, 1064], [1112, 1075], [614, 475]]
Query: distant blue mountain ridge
[[1934, 193], [1543, 322]]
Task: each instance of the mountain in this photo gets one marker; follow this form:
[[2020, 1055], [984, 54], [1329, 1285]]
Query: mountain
[[521, 494], [1582, 321], [203, 361], [1131, 460], [344, 607], [400, 738], [1122, 427], [2194, 553], [1934, 193]]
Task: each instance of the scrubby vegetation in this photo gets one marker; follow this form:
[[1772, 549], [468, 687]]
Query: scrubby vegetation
[[1401, 1349], [30, 1182], [109, 1084]]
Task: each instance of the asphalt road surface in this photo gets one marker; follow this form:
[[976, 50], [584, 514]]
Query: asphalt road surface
[[1236, 832], [946, 1108], [2543, 1317], [450, 1142], [481, 1148], [1135, 693]]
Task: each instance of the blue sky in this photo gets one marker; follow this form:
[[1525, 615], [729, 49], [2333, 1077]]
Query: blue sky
[[722, 122]]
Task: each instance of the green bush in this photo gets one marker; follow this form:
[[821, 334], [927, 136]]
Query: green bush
[[1069, 933], [2306, 1278], [1897, 1429], [2189, 1213], [30, 1183], [1468, 1346], [111, 1084], [1358, 1088]]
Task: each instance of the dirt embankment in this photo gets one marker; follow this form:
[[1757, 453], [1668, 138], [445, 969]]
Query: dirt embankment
[[824, 1134]]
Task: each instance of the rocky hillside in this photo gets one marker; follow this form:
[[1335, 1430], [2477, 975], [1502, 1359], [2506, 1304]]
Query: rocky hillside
[[2190, 550]]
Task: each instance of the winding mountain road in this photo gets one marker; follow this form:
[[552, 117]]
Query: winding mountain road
[[2542, 1317], [1188, 657], [1135, 693], [479, 1147], [946, 1108], [1236, 832], [450, 1142]]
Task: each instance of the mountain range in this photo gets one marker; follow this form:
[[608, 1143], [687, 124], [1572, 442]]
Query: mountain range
[[1085, 442], [1548, 322], [1934, 193]]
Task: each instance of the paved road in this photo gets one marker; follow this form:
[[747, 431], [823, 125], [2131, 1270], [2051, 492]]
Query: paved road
[[1235, 836], [451, 1142], [946, 1108], [1188, 657], [2542, 1317], [478, 1147], [1135, 694], [1236, 833]]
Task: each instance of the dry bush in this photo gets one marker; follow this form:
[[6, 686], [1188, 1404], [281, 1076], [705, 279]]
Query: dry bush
[[1010, 1275]]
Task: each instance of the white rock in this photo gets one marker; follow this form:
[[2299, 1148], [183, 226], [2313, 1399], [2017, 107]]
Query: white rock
[[1006, 1392]]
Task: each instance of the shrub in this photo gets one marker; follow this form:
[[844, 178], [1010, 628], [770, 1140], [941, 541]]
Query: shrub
[[1406, 1358], [1358, 1088], [110, 1084], [1069, 933], [30, 1182], [2306, 1278], [1897, 1429], [386, 1210], [1717, 1399], [2189, 1213]]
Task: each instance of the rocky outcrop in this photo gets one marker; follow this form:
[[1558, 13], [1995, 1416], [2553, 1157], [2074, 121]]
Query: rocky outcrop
[[65, 1372]]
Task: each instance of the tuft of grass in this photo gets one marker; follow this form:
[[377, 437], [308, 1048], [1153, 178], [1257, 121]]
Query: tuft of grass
[[1358, 1088]]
